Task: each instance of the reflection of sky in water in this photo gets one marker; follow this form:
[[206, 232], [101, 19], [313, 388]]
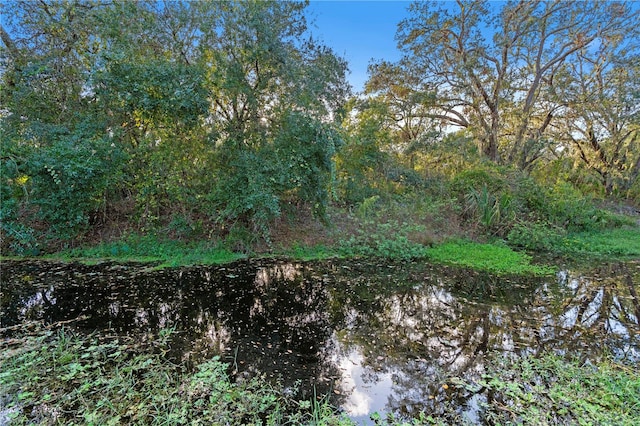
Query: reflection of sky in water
[[387, 348], [38, 301], [364, 395]]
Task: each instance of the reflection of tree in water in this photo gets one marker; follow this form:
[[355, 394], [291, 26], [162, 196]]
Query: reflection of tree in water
[[418, 335], [421, 335], [406, 326], [597, 313], [267, 318]]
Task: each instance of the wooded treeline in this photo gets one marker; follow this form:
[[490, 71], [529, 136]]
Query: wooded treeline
[[228, 112]]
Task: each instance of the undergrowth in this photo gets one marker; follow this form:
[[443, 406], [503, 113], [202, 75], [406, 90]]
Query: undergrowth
[[65, 378], [552, 390], [60, 377], [153, 248], [389, 240]]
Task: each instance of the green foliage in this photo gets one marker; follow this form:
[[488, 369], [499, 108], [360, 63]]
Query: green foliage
[[302, 153], [69, 182], [390, 240], [20, 238], [204, 108], [247, 192], [486, 198], [70, 378], [567, 207], [67, 378], [367, 208], [535, 236], [295, 165], [152, 91], [617, 243], [151, 248], [512, 204], [318, 252], [490, 212], [225, 112], [365, 167], [16, 236], [422, 420], [563, 206], [493, 258], [184, 227], [553, 390], [477, 178]]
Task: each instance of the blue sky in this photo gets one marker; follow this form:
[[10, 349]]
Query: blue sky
[[358, 31]]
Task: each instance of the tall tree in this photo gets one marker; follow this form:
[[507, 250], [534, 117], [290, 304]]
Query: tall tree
[[600, 120], [275, 97], [490, 69], [391, 89]]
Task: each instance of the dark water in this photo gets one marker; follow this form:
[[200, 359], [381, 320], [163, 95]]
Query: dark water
[[376, 337]]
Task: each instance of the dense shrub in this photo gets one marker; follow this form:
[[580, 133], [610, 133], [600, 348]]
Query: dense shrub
[[477, 178], [69, 180], [536, 236]]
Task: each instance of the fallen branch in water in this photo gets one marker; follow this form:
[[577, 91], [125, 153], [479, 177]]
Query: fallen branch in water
[[41, 323]]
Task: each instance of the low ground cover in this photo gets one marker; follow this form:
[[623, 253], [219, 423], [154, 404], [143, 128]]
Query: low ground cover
[[154, 248], [613, 243], [60, 376], [495, 258], [550, 389]]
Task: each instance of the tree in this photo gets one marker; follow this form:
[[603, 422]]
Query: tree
[[392, 91], [600, 123], [492, 70], [225, 109], [276, 98]]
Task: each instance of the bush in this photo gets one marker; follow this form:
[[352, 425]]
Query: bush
[[388, 240], [69, 182], [15, 235], [492, 213], [476, 179], [535, 236], [256, 179]]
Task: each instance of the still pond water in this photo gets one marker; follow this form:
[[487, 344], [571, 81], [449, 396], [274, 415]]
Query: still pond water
[[376, 337]]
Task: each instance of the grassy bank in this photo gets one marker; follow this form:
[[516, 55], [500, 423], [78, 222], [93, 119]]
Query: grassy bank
[[621, 243], [483, 217], [494, 258], [389, 241], [436, 228], [152, 248]]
